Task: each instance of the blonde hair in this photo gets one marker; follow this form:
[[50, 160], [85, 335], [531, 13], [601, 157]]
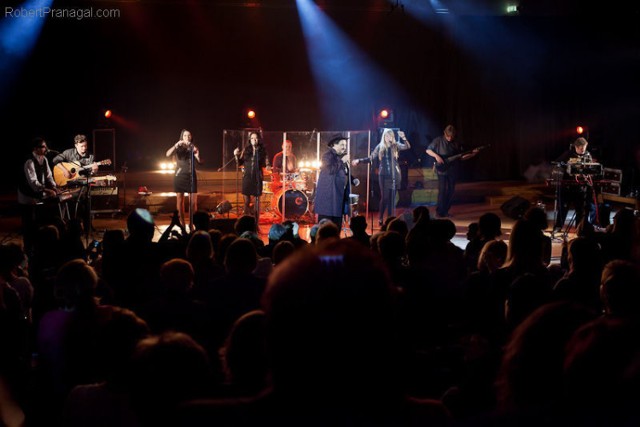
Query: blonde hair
[[383, 146]]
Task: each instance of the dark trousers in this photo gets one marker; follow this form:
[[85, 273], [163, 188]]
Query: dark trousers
[[446, 187], [252, 210], [581, 197], [387, 196]]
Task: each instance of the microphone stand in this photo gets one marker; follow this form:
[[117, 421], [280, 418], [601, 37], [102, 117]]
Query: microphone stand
[[237, 188], [348, 190], [392, 166], [258, 183], [191, 187], [124, 169]]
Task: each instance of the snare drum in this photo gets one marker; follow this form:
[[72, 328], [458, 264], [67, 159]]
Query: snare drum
[[300, 184]]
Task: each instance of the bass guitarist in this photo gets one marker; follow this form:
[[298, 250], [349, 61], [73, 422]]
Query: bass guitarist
[[442, 148]]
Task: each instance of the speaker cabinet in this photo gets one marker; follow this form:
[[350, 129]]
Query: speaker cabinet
[[515, 207]]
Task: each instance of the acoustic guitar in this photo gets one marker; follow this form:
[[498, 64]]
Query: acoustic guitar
[[75, 169]]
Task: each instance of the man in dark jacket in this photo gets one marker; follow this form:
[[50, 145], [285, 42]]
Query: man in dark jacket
[[332, 193]]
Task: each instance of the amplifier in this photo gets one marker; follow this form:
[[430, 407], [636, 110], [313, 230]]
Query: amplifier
[[612, 188], [104, 199], [104, 191], [612, 174]]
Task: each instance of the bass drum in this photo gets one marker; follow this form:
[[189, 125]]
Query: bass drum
[[296, 203]]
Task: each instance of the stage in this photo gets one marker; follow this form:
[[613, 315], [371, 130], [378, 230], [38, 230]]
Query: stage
[[152, 190]]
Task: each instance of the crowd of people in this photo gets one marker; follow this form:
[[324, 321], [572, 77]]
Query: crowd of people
[[399, 328]]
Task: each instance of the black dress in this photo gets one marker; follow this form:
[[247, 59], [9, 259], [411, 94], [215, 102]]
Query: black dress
[[182, 178], [252, 174]]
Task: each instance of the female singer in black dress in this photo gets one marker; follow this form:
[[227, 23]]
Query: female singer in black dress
[[184, 181], [254, 158]]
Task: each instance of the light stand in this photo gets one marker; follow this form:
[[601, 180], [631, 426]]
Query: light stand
[[124, 170]]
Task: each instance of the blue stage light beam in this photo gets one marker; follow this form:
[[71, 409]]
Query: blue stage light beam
[[349, 84], [19, 31], [496, 43]]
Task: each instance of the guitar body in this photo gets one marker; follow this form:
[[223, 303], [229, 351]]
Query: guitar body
[[58, 172], [443, 167]]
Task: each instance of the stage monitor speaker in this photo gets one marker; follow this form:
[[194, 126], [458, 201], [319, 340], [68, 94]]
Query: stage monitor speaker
[[515, 207], [104, 198], [225, 225]]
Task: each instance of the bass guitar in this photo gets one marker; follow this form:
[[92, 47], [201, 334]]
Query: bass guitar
[[74, 169], [443, 167]]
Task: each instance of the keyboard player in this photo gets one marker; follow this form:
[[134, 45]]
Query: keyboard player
[[575, 191], [36, 184]]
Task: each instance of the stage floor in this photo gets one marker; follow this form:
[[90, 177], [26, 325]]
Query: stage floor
[[471, 201]]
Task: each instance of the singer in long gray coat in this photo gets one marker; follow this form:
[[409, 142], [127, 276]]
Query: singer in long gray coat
[[332, 192]]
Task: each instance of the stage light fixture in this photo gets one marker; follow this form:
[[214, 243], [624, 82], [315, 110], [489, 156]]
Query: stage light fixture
[[107, 114], [385, 116], [579, 130], [224, 207], [251, 114]]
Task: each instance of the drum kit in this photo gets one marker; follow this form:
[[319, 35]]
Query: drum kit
[[291, 191]]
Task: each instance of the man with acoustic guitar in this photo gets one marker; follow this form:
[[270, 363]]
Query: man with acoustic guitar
[[442, 149], [69, 165], [70, 161]]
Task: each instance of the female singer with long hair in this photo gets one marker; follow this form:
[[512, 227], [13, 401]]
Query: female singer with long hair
[[185, 179], [385, 156], [253, 157]]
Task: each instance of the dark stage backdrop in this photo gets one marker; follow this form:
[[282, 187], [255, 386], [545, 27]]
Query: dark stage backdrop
[[164, 66]]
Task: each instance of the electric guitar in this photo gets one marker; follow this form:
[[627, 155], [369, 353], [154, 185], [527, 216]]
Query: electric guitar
[[442, 167], [75, 169]]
